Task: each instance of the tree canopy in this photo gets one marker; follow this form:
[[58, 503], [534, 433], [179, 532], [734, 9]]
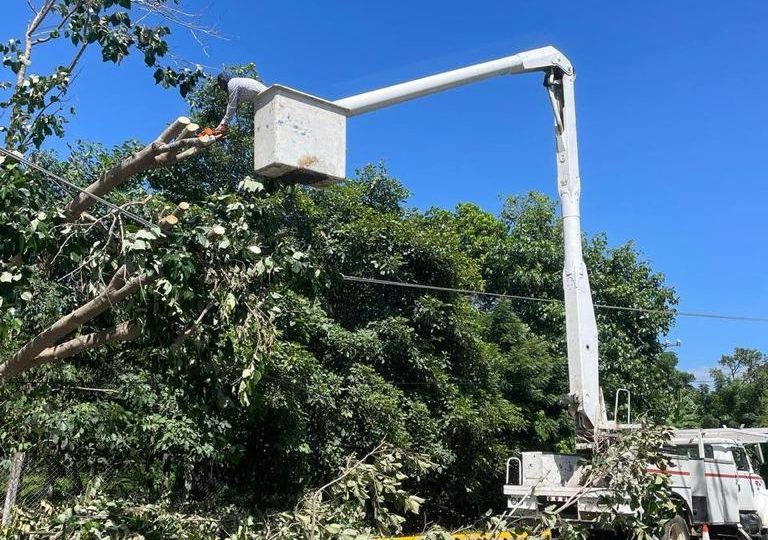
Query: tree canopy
[[232, 362]]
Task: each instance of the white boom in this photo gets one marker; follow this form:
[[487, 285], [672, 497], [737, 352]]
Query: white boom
[[299, 137], [585, 395]]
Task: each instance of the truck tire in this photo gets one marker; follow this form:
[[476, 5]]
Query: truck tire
[[676, 529]]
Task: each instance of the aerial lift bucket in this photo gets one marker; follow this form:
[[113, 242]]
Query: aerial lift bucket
[[299, 138]]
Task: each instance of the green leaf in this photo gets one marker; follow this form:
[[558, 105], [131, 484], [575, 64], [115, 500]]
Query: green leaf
[[251, 185], [228, 305], [333, 528], [145, 234]]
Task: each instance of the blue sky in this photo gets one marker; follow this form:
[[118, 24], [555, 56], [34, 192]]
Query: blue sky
[[670, 105]]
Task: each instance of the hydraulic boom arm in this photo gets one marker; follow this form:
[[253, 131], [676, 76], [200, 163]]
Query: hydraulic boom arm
[[302, 138], [585, 399]]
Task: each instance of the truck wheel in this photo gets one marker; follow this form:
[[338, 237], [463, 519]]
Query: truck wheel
[[676, 529]]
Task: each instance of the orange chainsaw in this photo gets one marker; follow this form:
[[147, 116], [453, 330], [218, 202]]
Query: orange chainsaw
[[208, 132]]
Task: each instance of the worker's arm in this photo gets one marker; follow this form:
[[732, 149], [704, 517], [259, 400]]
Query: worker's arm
[[234, 99]]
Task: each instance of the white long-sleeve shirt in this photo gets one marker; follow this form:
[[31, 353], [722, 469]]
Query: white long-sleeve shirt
[[240, 89]]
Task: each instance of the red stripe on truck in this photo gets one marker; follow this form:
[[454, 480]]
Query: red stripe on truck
[[709, 474], [671, 473], [725, 475]]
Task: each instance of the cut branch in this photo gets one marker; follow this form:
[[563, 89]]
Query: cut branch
[[172, 219], [215, 232], [181, 144], [162, 152], [174, 129]]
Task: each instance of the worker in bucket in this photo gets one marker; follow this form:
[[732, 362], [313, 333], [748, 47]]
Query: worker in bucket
[[240, 90]]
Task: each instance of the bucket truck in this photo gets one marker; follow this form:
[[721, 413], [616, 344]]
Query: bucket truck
[[302, 138]]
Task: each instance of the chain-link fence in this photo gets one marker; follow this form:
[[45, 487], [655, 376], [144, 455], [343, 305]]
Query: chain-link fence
[[30, 478]]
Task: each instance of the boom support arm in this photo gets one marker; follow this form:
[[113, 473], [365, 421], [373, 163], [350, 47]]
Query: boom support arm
[[585, 398]]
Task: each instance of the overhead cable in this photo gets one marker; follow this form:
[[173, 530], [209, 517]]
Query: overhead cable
[[553, 300], [21, 159]]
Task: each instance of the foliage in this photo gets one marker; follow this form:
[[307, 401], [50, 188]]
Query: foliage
[[522, 254], [24, 226], [739, 392], [98, 517], [258, 367], [621, 469], [36, 101], [367, 490]]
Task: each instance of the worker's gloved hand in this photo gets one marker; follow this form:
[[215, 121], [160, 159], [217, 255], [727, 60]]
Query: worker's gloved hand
[[221, 130]]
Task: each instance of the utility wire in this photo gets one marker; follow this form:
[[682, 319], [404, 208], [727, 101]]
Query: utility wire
[[552, 300], [67, 183]]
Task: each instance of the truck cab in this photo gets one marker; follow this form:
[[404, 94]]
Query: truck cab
[[715, 472]]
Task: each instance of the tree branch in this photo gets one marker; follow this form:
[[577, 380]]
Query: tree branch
[[157, 154], [117, 290], [120, 286], [174, 129], [33, 25], [59, 26], [186, 334], [116, 334], [76, 58]]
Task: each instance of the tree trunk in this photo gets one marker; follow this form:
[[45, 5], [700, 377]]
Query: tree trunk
[[14, 477], [116, 334]]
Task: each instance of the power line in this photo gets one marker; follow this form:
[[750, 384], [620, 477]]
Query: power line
[[447, 289], [67, 183], [552, 300]]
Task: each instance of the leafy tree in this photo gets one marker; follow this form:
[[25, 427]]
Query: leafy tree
[[35, 101], [228, 354], [528, 262], [738, 395]]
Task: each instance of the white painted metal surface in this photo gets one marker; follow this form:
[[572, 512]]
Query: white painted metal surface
[[581, 328], [714, 435], [549, 469], [524, 62], [299, 137]]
